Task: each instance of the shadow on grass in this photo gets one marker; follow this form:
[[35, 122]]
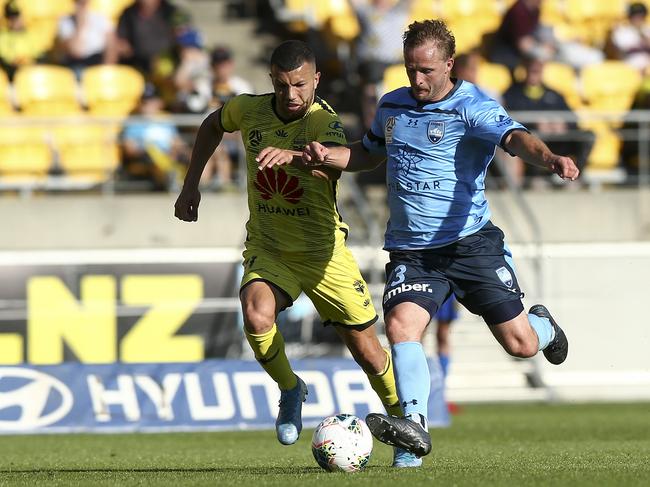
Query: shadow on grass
[[224, 470]]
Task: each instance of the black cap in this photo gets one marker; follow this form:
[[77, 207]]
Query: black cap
[[637, 8], [220, 54], [12, 10], [150, 91]]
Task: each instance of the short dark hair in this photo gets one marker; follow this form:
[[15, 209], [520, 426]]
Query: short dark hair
[[437, 31], [291, 55]]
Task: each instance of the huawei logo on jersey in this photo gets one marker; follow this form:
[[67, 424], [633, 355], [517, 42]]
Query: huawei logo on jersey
[[270, 182]]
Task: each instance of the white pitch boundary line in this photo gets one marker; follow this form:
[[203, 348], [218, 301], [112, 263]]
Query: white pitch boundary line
[[233, 254]]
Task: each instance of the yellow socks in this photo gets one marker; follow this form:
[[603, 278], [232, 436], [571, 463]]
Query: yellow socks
[[269, 352], [384, 385]]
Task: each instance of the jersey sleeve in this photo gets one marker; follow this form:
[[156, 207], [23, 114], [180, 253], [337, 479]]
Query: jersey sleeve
[[232, 112], [327, 128], [374, 141], [489, 121]]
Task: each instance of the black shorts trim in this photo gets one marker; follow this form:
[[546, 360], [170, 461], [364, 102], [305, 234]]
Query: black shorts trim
[[426, 303], [503, 312], [274, 286], [359, 327]]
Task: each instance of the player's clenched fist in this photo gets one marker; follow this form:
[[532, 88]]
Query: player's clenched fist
[[314, 153], [564, 167], [186, 207]]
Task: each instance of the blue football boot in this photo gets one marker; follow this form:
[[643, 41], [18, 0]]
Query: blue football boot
[[289, 423], [405, 459]]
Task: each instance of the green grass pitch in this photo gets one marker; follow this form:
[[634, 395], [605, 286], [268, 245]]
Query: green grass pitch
[[488, 445]]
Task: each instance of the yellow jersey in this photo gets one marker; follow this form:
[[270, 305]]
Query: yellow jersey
[[292, 213]]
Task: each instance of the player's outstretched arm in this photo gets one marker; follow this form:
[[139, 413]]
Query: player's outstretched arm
[[534, 151], [208, 138], [272, 156], [350, 158]]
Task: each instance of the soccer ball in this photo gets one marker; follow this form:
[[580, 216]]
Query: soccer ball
[[342, 443]]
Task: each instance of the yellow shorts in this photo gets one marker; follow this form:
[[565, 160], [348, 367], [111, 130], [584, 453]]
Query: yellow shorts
[[335, 287]]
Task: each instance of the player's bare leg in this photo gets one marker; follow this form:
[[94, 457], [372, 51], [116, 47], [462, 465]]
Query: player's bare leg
[[260, 305], [526, 334]]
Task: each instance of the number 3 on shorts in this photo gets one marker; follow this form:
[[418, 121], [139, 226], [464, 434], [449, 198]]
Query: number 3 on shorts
[[398, 274]]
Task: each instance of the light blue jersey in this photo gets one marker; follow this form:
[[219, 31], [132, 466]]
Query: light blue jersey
[[438, 154]]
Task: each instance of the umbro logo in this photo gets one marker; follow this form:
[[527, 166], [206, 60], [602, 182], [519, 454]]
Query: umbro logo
[[281, 133]]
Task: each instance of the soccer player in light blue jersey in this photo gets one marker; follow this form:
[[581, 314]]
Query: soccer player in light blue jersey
[[438, 137]]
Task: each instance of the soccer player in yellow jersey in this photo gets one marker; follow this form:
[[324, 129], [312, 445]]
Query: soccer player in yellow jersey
[[295, 236]]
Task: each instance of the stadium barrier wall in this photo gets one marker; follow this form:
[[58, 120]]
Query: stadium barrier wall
[[207, 395]]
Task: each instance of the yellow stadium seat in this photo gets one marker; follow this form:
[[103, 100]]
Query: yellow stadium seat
[[34, 10], [344, 26], [607, 148], [111, 90], [494, 77], [395, 77], [563, 79], [579, 10], [610, 86], [468, 34], [46, 90], [111, 8], [474, 9], [552, 12], [424, 9], [6, 107], [25, 151], [88, 152]]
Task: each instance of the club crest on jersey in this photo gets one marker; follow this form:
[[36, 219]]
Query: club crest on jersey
[[389, 126], [435, 131], [505, 276]]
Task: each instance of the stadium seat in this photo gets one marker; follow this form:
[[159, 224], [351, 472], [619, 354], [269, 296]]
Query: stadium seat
[[606, 151], [394, 77], [495, 77], [25, 152], [89, 152], [552, 12], [111, 8], [111, 90], [6, 107], [610, 86], [563, 79], [484, 14], [424, 9], [42, 16], [46, 90], [468, 34], [579, 10]]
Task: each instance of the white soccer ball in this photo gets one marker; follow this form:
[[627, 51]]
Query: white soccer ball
[[342, 443]]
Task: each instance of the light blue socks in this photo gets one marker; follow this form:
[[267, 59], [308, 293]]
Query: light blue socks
[[543, 328], [412, 378]]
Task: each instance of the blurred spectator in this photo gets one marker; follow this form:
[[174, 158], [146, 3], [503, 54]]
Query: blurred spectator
[[224, 85], [521, 35], [466, 67], [379, 46], [152, 149], [87, 38], [145, 31], [18, 45], [531, 95], [191, 80], [631, 41]]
